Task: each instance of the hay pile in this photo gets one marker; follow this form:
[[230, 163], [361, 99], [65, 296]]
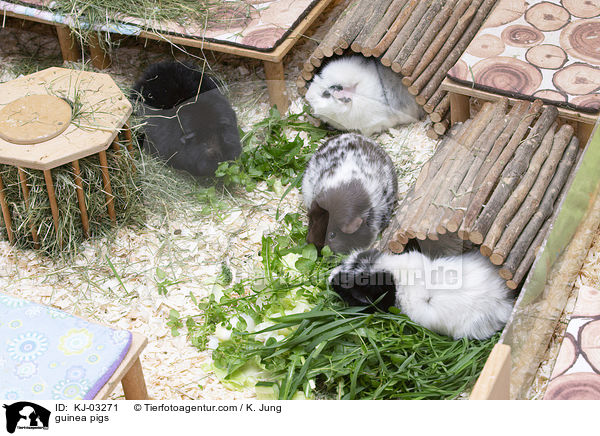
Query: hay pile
[[36, 213]]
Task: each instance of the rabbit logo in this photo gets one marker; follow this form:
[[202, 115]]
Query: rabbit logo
[[26, 415]]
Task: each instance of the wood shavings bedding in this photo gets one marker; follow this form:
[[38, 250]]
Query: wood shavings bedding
[[187, 245]]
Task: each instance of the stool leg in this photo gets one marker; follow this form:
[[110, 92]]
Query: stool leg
[[68, 45], [81, 199], [106, 179], [6, 213], [276, 85], [459, 108], [129, 142], [100, 58], [25, 189], [127, 133], [134, 384], [53, 204]]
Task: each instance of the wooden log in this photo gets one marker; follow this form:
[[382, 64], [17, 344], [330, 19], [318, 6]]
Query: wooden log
[[424, 196], [512, 173], [378, 12], [484, 144], [514, 278], [453, 175], [315, 61], [535, 195], [428, 172], [328, 43], [417, 46], [417, 62], [424, 24], [406, 31], [355, 24], [420, 78], [395, 28], [493, 168], [309, 68], [438, 104], [441, 127], [432, 134], [301, 85], [439, 75], [382, 26], [524, 242], [515, 200]]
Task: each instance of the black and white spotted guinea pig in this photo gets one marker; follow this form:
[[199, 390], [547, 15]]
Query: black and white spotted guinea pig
[[349, 190], [459, 296], [188, 122], [357, 93]]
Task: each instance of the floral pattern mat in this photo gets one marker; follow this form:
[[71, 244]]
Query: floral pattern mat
[[254, 24], [537, 49], [47, 354], [576, 373]]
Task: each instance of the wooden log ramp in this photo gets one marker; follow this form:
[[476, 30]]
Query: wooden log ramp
[[494, 180], [419, 39]]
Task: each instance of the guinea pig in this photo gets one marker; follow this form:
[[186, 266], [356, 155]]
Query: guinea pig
[[459, 296], [188, 122], [358, 93], [349, 190]]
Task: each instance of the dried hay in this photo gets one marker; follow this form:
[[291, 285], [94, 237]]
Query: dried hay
[[36, 212]]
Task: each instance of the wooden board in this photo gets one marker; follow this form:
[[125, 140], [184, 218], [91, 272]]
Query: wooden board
[[104, 110], [456, 88], [276, 55], [494, 381]]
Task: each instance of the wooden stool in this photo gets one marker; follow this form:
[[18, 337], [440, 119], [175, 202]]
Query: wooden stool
[[51, 354], [58, 116], [129, 373]]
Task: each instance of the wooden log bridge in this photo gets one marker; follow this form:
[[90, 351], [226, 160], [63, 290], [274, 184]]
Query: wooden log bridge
[[494, 181], [419, 39]]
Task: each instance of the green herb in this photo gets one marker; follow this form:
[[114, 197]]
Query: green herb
[[273, 151]]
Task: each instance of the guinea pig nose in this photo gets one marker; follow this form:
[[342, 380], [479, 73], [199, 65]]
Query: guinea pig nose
[[331, 235]]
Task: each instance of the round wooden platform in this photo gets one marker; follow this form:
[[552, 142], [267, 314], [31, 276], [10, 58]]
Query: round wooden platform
[[33, 119]]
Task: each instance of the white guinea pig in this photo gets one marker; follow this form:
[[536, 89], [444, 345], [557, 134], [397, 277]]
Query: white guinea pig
[[459, 296], [356, 93]]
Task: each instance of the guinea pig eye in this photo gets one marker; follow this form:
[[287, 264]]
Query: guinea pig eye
[[326, 94], [331, 235], [336, 87]]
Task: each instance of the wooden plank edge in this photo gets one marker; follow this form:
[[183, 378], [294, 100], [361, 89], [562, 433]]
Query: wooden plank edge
[[494, 381]]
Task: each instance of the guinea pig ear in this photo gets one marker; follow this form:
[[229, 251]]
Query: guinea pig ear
[[343, 93], [318, 219], [352, 226]]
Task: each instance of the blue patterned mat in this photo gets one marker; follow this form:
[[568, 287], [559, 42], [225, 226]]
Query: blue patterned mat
[[47, 354]]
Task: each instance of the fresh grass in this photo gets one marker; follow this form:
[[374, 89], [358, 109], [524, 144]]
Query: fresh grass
[[331, 350]]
